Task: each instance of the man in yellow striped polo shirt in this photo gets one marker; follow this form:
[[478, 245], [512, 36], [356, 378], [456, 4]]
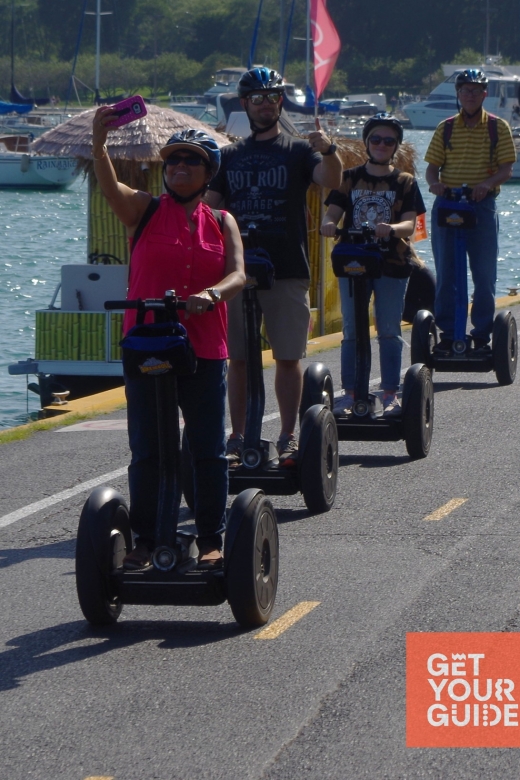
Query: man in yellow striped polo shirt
[[477, 152]]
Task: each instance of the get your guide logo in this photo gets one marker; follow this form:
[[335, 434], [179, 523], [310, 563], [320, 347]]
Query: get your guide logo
[[462, 690]]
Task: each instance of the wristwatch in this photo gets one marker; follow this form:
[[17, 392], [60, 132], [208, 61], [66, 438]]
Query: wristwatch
[[331, 150], [215, 295]]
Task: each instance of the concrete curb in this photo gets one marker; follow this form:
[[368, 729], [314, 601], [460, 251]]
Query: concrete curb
[[110, 400]]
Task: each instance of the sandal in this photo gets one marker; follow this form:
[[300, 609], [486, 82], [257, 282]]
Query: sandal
[[139, 558], [210, 558]]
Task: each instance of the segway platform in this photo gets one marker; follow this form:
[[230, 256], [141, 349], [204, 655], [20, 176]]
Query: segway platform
[[359, 258], [315, 473], [249, 575], [458, 215]]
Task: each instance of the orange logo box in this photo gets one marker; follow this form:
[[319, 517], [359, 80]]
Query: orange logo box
[[463, 690]]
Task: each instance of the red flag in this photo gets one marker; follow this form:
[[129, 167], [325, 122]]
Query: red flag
[[327, 45]]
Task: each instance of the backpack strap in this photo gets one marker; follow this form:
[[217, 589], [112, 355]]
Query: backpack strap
[[493, 135], [148, 214], [448, 130], [492, 130], [220, 219]]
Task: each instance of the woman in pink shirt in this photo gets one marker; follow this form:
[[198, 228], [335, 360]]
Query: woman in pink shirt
[[183, 247]]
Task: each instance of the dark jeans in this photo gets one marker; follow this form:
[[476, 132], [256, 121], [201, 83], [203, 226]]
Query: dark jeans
[[482, 253], [202, 401]]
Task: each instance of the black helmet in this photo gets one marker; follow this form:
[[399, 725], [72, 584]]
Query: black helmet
[[383, 119], [258, 79], [195, 141], [470, 76]]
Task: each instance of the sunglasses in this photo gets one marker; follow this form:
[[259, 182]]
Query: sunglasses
[[378, 139], [192, 159], [466, 91], [258, 98]]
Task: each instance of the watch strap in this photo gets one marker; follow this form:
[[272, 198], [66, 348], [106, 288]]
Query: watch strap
[[331, 150]]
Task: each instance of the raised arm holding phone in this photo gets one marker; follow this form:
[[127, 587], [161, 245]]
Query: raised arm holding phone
[[183, 247]]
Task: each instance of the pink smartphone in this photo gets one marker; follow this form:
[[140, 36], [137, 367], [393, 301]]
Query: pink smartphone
[[128, 111]]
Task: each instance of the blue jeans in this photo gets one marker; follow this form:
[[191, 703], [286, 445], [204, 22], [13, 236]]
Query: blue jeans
[[482, 252], [202, 400], [388, 306]]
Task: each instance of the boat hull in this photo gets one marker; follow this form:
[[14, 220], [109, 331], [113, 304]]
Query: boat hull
[[20, 170]]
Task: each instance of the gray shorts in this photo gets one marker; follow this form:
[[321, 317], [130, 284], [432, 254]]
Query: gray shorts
[[286, 310]]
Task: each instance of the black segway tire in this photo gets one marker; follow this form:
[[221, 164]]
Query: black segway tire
[[104, 538], [505, 348], [418, 411], [251, 558], [318, 459], [318, 388], [188, 484], [424, 338]]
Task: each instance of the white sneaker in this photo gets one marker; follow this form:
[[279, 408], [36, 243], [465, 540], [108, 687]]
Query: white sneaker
[[391, 406]]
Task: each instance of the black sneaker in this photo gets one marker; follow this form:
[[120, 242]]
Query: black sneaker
[[443, 347], [481, 346]]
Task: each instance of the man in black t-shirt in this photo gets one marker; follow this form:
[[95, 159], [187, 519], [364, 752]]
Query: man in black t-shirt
[[263, 180]]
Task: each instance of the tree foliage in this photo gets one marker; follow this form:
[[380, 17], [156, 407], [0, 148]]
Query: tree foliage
[[180, 44]]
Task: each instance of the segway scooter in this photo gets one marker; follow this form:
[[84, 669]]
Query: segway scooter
[[359, 259], [315, 474], [249, 577], [458, 214]]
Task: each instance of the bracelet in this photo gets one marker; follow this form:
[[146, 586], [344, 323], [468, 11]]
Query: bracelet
[[105, 152]]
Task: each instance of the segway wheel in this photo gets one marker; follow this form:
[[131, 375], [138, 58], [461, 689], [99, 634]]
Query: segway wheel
[[251, 558], [318, 459], [104, 538], [188, 484], [505, 347], [317, 388], [424, 338], [418, 411]]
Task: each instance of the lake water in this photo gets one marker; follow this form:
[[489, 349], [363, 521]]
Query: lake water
[[39, 231]]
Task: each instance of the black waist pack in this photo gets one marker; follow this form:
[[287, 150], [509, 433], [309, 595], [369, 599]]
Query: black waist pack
[[158, 348], [259, 268], [456, 214], [351, 260]]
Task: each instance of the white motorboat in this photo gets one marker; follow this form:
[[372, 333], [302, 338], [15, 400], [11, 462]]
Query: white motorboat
[[34, 124], [196, 106], [502, 98], [19, 168]]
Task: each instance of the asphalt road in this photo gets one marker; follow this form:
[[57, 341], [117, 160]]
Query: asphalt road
[[171, 693]]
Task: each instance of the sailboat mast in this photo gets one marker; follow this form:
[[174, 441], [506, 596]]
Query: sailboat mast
[[12, 43], [308, 47], [98, 47]]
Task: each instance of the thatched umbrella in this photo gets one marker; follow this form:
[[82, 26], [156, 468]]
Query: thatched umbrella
[[139, 141]]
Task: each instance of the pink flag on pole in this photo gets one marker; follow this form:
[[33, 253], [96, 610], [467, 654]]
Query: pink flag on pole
[[327, 45]]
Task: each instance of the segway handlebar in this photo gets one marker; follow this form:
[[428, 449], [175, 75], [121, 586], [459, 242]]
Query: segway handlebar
[[458, 193], [168, 303], [363, 235]]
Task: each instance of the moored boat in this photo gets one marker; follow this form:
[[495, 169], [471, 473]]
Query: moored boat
[[502, 98], [20, 168]]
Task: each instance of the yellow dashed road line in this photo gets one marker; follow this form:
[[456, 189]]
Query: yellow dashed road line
[[444, 511], [286, 621]]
